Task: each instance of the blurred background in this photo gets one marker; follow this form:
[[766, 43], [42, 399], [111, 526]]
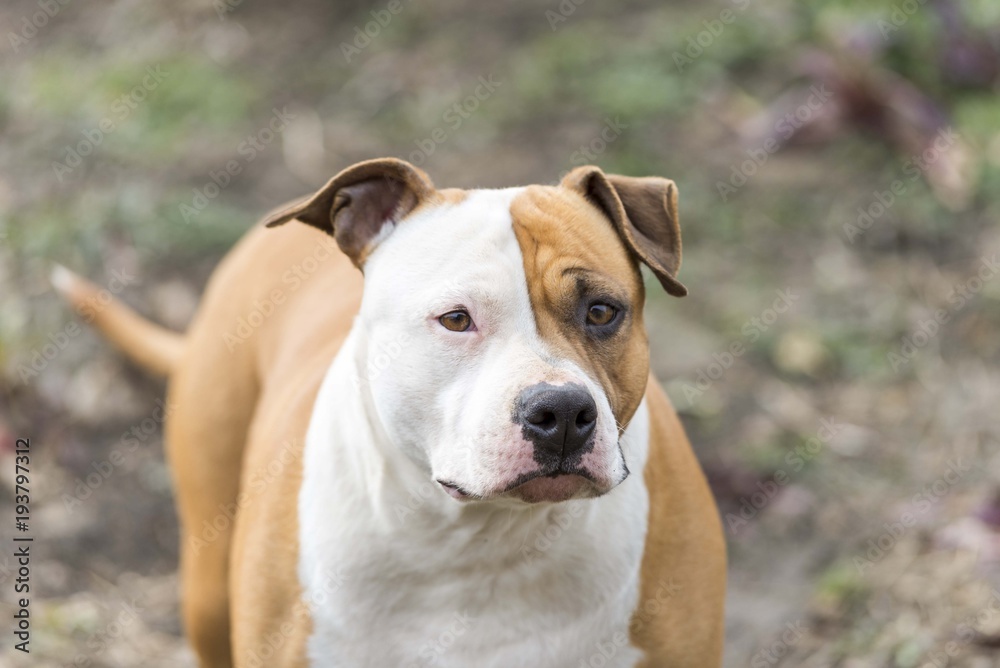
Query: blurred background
[[835, 363]]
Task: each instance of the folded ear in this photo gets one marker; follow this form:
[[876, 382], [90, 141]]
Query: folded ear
[[357, 204], [644, 212]]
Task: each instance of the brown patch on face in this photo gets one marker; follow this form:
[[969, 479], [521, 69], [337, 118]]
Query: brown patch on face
[[572, 258]]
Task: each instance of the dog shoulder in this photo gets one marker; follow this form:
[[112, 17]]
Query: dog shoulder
[[683, 575]]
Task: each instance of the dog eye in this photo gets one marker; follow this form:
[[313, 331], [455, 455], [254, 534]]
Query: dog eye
[[601, 314], [456, 321]]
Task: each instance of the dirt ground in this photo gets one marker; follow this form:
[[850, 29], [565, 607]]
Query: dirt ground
[[835, 363]]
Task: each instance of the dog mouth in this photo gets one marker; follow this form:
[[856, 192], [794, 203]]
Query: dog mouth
[[552, 486], [456, 492], [555, 487]]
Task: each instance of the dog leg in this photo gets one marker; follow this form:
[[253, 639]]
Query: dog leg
[[212, 400]]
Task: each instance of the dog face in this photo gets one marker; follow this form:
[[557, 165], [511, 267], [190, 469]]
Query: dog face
[[504, 343]]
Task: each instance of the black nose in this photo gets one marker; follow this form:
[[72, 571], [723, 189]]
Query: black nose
[[558, 420]]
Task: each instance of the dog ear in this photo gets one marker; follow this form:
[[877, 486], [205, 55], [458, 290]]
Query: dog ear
[[356, 204], [644, 212]]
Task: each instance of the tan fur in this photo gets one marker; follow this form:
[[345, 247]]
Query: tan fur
[[452, 196], [241, 402], [150, 345], [685, 552]]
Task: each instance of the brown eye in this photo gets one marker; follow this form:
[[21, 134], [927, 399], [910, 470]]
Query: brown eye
[[456, 321], [601, 314]]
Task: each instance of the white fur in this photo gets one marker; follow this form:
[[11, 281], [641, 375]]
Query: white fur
[[396, 572], [62, 279]]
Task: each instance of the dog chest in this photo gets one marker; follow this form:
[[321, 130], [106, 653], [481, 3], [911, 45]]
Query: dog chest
[[550, 592]]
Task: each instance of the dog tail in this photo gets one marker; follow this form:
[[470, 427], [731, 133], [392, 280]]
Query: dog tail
[[150, 346]]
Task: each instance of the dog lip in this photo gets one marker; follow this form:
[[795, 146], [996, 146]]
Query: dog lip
[[564, 486], [456, 492]]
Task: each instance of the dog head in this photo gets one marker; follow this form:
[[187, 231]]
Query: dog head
[[503, 329]]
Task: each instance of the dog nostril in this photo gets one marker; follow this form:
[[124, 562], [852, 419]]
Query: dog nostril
[[543, 419], [586, 417]]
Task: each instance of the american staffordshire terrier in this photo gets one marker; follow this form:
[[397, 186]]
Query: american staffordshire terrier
[[466, 463]]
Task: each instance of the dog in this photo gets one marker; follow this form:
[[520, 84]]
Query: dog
[[460, 459]]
